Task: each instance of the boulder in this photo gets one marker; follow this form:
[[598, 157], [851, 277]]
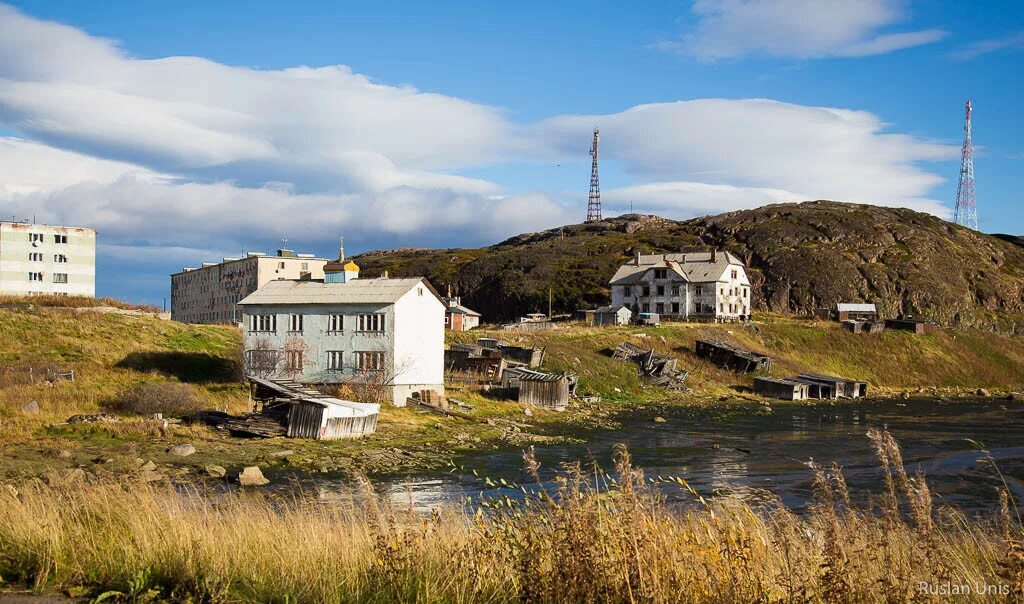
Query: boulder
[[659, 420], [285, 453], [251, 476], [215, 471], [64, 454], [32, 408], [528, 411], [149, 466], [152, 476], [981, 392], [181, 450]]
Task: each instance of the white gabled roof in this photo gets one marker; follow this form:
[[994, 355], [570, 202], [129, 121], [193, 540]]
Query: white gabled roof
[[849, 307], [356, 291], [694, 266]]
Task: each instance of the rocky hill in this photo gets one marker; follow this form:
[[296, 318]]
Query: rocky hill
[[801, 256]]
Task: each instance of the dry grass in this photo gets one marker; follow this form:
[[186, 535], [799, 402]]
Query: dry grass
[[54, 301], [577, 543]]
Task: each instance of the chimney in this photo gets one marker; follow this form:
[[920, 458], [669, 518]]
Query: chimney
[[637, 257], [714, 255], [385, 274]]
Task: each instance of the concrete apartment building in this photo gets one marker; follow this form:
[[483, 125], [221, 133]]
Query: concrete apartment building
[[37, 259], [210, 293], [342, 329]]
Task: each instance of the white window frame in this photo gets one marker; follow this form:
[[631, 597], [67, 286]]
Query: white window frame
[[294, 360], [60, 277], [370, 360], [335, 360], [35, 276], [263, 323], [370, 323], [336, 323], [295, 323], [35, 257], [60, 239]]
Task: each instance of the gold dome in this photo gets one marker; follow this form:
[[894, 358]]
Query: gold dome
[[351, 266]]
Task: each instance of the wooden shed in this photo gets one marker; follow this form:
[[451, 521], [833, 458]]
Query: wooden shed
[[914, 325], [546, 390], [829, 386], [732, 357], [613, 315], [312, 414], [782, 389], [856, 312]]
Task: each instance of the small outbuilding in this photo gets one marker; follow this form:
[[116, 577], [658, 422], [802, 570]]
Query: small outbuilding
[[846, 311], [612, 315], [830, 387], [732, 357], [788, 390], [546, 390], [917, 326]]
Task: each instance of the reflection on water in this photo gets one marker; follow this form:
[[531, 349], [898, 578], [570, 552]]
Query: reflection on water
[[745, 454]]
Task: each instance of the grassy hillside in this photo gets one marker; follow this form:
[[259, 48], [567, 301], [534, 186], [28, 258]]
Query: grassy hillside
[[800, 256], [893, 360]]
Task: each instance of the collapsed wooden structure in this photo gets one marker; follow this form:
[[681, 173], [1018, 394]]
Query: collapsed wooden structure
[[490, 357], [810, 386], [307, 413], [661, 369], [732, 357]]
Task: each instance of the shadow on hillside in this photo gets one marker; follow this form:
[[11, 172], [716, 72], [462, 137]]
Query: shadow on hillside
[[186, 366]]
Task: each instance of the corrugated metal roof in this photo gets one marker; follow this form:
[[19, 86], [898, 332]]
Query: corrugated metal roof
[[356, 291], [693, 266], [850, 307]]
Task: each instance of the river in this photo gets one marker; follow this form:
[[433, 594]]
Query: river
[[746, 452]]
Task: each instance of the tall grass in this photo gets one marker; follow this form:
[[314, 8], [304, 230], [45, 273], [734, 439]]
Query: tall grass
[[594, 536]]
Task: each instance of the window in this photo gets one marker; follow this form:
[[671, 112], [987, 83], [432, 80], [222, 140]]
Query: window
[[661, 290], [660, 273], [295, 323], [627, 291], [734, 273], [335, 323], [60, 277], [34, 238], [335, 360], [675, 290], [698, 290], [280, 265], [266, 323], [370, 361], [746, 292], [35, 257], [647, 291], [60, 238], [294, 360], [646, 307], [35, 276], [305, 266], [721, 307], [675, 308], [374, 322], [659, 308]]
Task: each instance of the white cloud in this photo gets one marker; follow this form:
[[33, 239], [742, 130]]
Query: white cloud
[[802, 29], [984, 47], [817, 152], [183, 156]]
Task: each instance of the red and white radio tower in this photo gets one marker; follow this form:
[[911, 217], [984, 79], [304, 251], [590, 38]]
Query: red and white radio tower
[[966, 211], [594, 204]]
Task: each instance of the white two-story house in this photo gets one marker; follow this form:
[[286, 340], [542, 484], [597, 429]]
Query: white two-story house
[[698, 285], [346, 329]]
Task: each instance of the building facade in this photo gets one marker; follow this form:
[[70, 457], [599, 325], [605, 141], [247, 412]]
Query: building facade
[[385, 332], [458, 317], [210, 293], [701, 285], [37, 259]]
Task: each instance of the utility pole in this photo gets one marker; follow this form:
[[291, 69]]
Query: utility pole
[[550, 305]]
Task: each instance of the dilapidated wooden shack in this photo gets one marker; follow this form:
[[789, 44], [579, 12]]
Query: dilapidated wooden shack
[[830, 387], [917, 326], [549, 391], [789, 390], [732, 357], [312, 414]]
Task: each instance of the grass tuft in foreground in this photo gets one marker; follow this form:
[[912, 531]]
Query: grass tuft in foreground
[[577, 542]]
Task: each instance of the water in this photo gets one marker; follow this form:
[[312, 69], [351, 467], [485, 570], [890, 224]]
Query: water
[[743, 453]]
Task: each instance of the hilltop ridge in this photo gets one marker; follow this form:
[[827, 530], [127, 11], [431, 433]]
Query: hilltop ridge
[[800, 256]]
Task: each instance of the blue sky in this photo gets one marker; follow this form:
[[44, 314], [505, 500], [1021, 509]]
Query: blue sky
[[193, 130]]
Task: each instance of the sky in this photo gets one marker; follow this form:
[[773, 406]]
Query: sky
[[191, 131]]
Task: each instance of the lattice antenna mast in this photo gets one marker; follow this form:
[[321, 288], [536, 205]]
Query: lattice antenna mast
[[966, 211], [594, 203]]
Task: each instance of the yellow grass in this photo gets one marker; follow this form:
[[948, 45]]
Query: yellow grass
[[618, 542]]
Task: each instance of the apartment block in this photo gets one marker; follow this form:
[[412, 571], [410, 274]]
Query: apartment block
[[210, 293], [38, 259]]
